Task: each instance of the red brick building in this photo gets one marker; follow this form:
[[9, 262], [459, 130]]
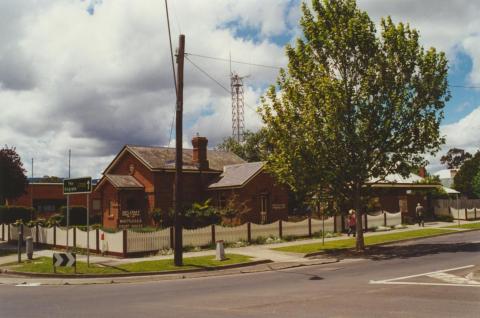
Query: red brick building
[[141, 179], [47, 198]]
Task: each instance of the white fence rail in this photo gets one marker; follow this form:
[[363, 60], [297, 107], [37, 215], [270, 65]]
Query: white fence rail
[[374, 221], [295, 228], [145, 242], [394, 219], [197, 237], [265, 230], [127, 242], [231, 234], [317, 225]]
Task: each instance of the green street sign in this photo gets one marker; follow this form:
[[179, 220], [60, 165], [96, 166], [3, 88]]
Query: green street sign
[[78, 185]]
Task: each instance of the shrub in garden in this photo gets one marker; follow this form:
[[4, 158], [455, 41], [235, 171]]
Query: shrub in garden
[[10, 214], [78, 215]]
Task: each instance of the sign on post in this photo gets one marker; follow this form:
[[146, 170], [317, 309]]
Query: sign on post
[[78, 185], [64, 260]]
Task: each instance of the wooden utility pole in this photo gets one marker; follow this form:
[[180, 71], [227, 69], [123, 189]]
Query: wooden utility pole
[[178, 253]]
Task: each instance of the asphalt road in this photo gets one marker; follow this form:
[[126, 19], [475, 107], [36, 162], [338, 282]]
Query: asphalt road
[[342, 289]]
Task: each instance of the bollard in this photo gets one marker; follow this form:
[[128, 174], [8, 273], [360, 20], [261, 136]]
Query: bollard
[[220, 254], [29, 247]]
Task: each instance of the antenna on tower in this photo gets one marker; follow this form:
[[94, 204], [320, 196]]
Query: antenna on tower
[[238, 120]]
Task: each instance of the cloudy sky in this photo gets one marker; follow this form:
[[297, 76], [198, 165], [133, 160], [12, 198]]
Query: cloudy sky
[[94, 75]]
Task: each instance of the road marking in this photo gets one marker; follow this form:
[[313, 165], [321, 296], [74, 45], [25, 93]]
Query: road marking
[[28, 285], [454, 279], [449, 279]]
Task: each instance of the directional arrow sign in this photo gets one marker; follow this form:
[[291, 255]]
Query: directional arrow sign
[[78, 185], [64, 259]]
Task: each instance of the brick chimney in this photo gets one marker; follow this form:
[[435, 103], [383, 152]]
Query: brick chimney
[[422, 172], [199, 156]]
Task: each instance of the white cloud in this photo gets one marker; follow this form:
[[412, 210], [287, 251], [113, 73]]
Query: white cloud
[[92, 83]]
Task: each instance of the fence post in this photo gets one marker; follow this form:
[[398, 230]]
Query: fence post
[[249, 232], [124, 243], [475, 212], [280, 230], [3, 232], [8, 232], [74, 237], [54, 236], [171, 237], [213, 233], [366, 222], [466, 214], [309, 226], [97, 233], [384, 219]]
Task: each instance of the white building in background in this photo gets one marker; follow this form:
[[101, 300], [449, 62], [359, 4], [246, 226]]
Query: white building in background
[[446, 176]]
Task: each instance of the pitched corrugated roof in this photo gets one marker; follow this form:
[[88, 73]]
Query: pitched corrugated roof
[[164, 158], [123, 181], [396, 178], [237, 175]]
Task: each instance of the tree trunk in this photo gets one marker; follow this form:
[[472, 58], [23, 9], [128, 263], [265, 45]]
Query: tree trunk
[[360, 245]]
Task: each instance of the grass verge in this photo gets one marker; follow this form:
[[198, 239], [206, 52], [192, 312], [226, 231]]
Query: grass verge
[[469, 226], [369, 240], [44, 265]]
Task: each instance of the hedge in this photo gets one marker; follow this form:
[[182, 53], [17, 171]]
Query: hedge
[[10, 214], [78, 215]]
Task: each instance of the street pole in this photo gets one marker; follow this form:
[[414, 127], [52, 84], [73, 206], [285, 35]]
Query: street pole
[[68, 199], [88, 229], [178, 253], [31, 193]]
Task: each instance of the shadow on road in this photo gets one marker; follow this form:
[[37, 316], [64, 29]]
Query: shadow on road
[[407, 251]]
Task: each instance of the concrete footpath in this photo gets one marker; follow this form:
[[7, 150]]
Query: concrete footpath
[[281, 260]]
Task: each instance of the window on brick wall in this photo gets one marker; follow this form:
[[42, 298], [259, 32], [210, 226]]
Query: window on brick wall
[[222, 201]]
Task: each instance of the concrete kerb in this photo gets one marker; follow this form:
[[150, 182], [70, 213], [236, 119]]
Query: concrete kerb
[[307, 255], [133, 274], [264, 266]]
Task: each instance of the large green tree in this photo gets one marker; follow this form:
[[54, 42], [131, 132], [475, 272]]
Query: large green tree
[[464, 181], [455, 157], [354, 104], [13, 181], [253, 148]]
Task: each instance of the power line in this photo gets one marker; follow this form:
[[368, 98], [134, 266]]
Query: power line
[[214, 80], [207, 75], [463, 86], [233, 61], [173, 69]]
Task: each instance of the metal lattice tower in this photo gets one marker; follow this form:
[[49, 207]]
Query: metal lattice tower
[[238, 119]]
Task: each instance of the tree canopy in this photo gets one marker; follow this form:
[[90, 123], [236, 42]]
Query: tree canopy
[[253, 148], [13, 181], [454, 158], [464, 179], [354, 104]]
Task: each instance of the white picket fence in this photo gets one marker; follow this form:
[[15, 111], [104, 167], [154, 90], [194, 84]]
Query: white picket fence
[[384, 218], [127, 242], [463, 209]]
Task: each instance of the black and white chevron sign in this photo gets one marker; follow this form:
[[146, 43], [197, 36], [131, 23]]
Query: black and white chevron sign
[[64, 259]]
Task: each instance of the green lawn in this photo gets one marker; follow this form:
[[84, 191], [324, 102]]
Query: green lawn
[[369, 240], [466, 226], [44, 265]]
